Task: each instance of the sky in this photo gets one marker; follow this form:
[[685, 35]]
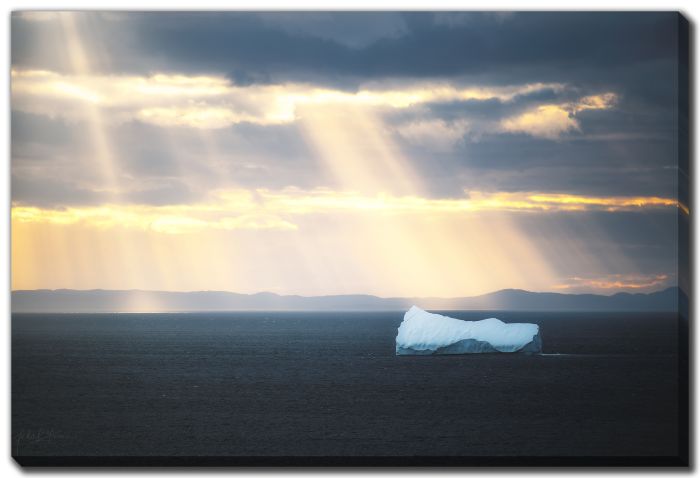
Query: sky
[[397, 154]]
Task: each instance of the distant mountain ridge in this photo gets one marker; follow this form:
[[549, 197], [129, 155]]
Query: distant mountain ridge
[[99, 300]]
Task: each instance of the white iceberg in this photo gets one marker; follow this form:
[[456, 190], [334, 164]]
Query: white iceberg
[[423, 333]]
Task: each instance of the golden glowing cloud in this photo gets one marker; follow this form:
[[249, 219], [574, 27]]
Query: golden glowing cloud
[[193, 116], [615, 282], [552, 120], [322, 200], [214, 102], [547, 121], [266, 209], [237, 210], [606, 203], [594, 102]]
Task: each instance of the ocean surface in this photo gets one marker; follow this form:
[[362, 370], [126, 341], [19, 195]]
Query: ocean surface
[[329, 384]]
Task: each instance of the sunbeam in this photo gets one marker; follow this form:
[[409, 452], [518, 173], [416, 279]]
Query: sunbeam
[[187, 178]]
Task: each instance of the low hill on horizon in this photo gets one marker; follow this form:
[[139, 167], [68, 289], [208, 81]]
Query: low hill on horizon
[[99, 300]]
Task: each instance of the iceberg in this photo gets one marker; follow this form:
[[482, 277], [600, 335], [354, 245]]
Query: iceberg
[[423, 333]]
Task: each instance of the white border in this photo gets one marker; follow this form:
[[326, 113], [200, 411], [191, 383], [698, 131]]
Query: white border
[[8, 468]]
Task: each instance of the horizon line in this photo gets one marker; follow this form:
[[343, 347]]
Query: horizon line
[[346, 294]]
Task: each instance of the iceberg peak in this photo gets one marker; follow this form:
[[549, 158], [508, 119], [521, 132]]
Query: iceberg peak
[[423, 333]]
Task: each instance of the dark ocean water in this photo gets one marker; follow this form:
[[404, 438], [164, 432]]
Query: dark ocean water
[[329, 384]]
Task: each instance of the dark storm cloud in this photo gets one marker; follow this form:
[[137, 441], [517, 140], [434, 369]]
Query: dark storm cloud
[[635, 166], [50, 192], [244, 155], [53, 163], [265, 48], [53, 132]]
